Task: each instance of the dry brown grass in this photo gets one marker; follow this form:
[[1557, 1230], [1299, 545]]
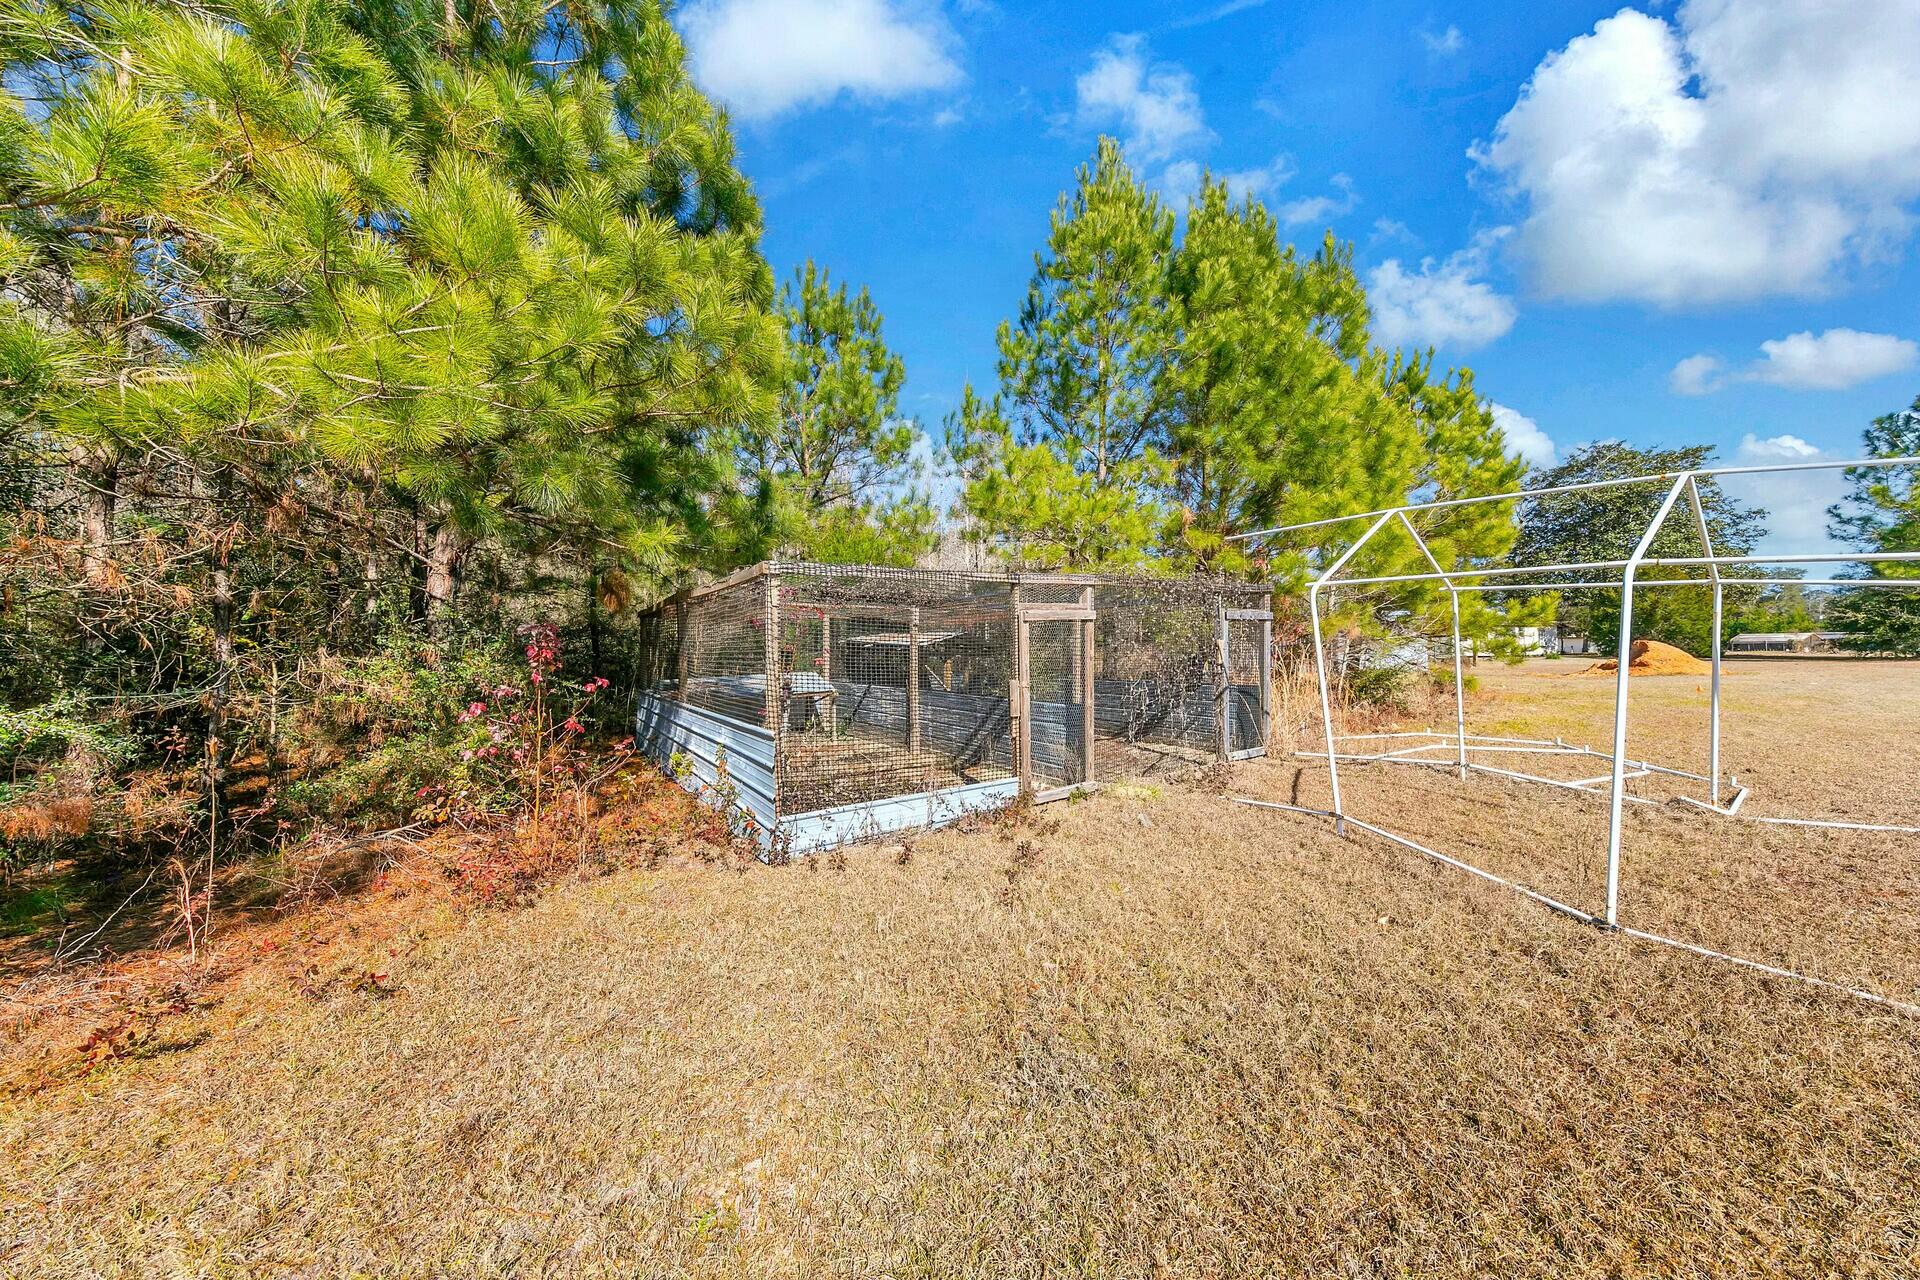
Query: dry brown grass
[[1149, 1034]]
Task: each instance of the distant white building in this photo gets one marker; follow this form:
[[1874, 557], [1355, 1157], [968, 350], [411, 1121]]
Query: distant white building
[[1786, 642], [1537, 642]]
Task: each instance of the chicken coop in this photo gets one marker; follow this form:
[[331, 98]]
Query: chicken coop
[[830, 703]]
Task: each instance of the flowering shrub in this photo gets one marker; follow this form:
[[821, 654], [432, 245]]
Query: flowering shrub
[[521, 742]]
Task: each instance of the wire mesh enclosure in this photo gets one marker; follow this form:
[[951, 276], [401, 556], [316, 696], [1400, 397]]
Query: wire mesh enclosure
[[827, 702]]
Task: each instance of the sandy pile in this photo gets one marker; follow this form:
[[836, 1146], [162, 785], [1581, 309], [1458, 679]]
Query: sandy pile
[[1652, 658]]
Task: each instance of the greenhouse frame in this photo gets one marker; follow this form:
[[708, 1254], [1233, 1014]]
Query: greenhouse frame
[[824, 704]]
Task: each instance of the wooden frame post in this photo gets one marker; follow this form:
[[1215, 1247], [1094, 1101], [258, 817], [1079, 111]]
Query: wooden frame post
[[1266, 675], [1017, 695], [1090, 673], [1223, 687], [913, 680]]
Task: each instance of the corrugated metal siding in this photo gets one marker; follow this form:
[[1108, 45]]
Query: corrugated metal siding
[[812, 832], [662, 729]]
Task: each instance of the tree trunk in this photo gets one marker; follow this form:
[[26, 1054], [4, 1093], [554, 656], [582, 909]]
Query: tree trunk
[[99, 487], [444, 552]]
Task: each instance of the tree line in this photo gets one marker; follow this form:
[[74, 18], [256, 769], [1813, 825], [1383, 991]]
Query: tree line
[[340, 339]]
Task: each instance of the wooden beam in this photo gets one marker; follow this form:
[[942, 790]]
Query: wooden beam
[[1055, 613]]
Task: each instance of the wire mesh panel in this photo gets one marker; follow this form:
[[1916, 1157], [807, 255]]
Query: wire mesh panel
[[1056, 679], [1246, 685], [723, 655], [881, 683], [895, 683]]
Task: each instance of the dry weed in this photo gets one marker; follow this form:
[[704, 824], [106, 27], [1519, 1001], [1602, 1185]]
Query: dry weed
[[1221, 1042]]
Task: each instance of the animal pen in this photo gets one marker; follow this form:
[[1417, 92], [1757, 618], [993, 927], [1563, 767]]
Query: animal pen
[[1464, 754], [828, 703]]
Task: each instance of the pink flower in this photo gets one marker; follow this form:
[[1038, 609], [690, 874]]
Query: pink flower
[[572, 725]]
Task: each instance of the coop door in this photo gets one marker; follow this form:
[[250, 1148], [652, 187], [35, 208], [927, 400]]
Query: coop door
[[1246, 684], [1054, 689]]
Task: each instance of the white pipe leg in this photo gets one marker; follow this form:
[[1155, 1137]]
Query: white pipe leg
[[1459, 688], [1326, 706], [1713, 742]]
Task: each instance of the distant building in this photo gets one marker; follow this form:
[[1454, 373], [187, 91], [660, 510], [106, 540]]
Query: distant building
[[1537, 642], [1786, 642]]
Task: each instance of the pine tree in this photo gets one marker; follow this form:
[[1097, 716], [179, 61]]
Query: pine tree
[[1606, 524], [838, 459], [501, 271], [299, 292], [1066, 464], [1881, 512], [1278, 409]]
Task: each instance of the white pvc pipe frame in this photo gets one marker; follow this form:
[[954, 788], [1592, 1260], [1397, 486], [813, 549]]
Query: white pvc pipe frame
[[1680, 483]]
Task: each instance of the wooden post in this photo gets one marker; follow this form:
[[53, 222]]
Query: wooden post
[[913, 680], [1220, 698], [1088, 685], [1017, 694], [1266, 675], [772, 613]]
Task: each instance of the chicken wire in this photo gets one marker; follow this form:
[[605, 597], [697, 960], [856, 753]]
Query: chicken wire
[[902, 682]]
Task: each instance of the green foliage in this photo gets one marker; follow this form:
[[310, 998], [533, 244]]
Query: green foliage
[[323, 314], [383, 725], [1881, 512], [49, 744], [1158, 395], [836, 464], [1606, 524], [1066, 464]]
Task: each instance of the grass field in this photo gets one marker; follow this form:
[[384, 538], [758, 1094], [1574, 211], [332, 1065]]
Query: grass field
[[1147, 1034]]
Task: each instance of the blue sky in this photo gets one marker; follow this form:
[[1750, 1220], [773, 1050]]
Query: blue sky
[[1669, 224]]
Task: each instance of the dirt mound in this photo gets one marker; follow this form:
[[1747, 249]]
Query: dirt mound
[[1652, 658]]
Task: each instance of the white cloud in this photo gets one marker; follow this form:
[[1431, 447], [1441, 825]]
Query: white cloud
[[1180, 181], [1393, 229], [1318, 209], [1154, 102], [1697, 376], [1440, 304], [1525, 439], [1833, 361], [1447, 43], [947, 117], [1796, 501], [1218, 12], [1830, 361], [1260, 180], [766, 57], [1740, 151]]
